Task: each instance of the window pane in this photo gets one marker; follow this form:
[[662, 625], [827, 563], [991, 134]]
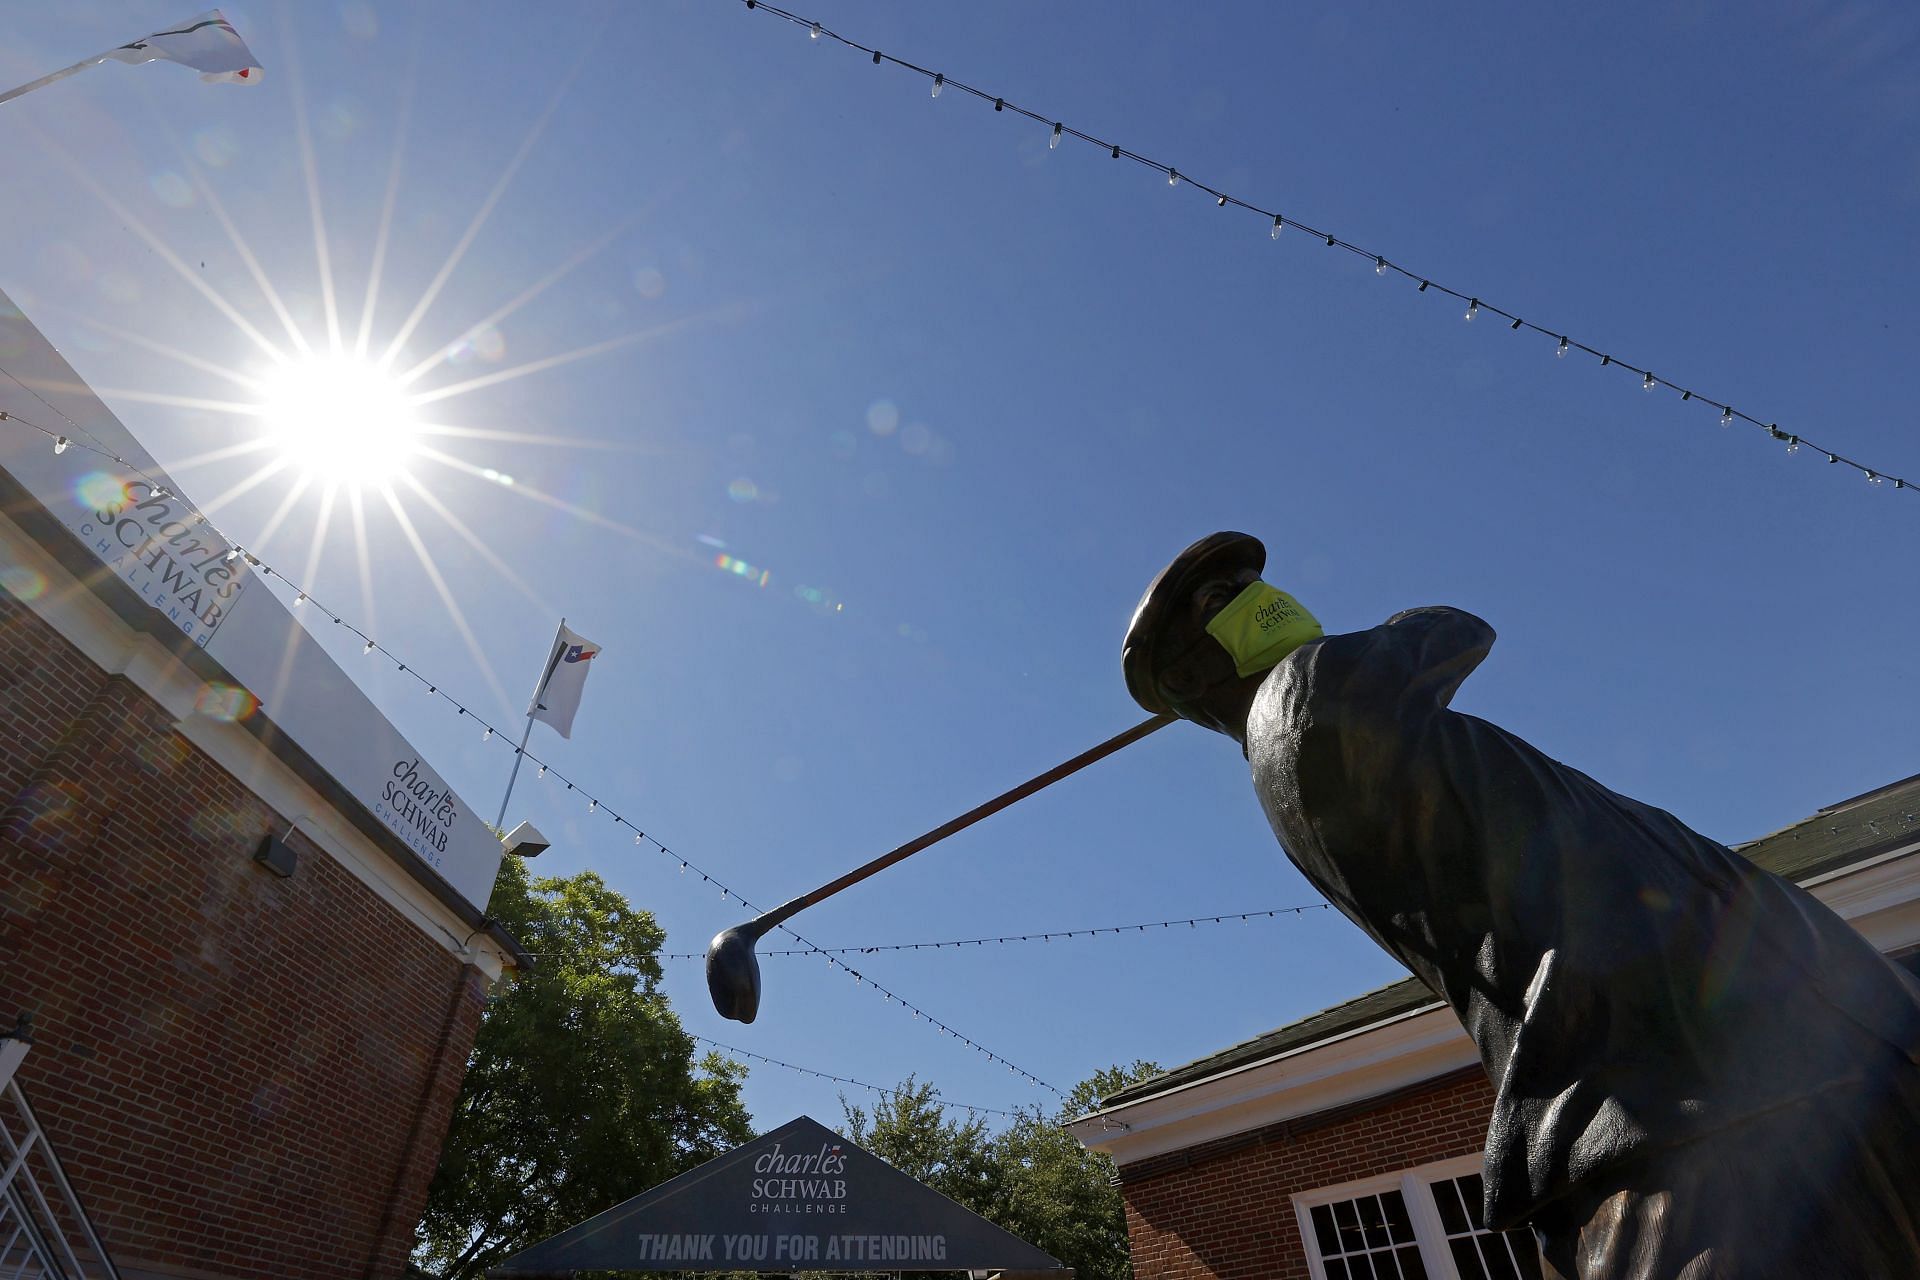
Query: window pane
[[1466, 1259], [1336, 1269], [1473, 1193], [1361, 1268], [1411, 1267], [1453, 1213], [1374, 1219], [1351, 1240], [1496, 1259], [1323, 1232], [1395, 1205], [1526, 1253]]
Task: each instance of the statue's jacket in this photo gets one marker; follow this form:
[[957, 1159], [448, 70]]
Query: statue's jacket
[[1630, 983]]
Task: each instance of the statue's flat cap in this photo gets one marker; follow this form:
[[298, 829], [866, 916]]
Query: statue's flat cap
[[1226, 551]]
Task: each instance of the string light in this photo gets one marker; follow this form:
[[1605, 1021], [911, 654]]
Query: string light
[[861, 1084], [60, 444], [1053, 142], [368, 649], [488, 735], [1646, 383], [1242, 917], [1726, 415], [299, 599], [815, 33], [1379, 266], [1221, 198]]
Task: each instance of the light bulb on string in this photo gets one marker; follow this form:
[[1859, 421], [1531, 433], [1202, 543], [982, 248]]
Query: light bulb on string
[[299, 599], [233, 553], [60, 444], [814, 34], [1379, 266], [367, 649], [1726, 415], [1053, 140], [1473, 308], [1561, 350], [1646, 383], [488, 735], [1173, 177], [939, 83], [592, 805], [541, 774], [1873, 477], [1279, 224]]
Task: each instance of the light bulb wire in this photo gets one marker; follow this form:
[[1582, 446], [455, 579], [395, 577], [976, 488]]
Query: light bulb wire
[[1381, 262]]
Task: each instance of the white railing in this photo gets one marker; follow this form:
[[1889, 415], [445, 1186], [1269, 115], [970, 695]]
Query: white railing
[[44, 1232]]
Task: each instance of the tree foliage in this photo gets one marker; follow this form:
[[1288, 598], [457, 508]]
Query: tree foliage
[[1031, 1177], [582, 1089]]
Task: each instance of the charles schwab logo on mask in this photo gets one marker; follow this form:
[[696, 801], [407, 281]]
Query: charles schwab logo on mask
[[811, 1183]]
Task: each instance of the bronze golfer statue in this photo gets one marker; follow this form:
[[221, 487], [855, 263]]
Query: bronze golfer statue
[[1700, 1072]]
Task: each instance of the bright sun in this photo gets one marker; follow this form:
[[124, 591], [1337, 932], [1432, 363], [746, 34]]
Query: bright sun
[[341, 419]]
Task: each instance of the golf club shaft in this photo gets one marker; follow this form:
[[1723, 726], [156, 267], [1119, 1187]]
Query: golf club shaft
[[789, 909]]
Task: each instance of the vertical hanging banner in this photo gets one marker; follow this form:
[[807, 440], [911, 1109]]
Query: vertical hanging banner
[[135, 522]]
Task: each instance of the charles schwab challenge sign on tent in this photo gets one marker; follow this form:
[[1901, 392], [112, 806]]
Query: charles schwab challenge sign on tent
[[140, 528], [801, 1198]]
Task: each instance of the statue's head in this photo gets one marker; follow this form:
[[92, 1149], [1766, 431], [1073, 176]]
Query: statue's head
[[1208, 630]]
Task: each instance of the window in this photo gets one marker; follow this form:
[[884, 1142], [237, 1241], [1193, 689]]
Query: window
[[1421, 1224], [1367, 1237]]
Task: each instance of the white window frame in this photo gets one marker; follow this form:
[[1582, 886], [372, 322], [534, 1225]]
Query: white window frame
[[1412, 1184]]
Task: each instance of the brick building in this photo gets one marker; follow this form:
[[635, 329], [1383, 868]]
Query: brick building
[[1348, 1144], [245, 1069]]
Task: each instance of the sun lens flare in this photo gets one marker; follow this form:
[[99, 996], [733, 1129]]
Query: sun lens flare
[[340, 419]]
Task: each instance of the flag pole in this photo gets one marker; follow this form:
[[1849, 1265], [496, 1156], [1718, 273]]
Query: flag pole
[[61, 74], [533, 705]]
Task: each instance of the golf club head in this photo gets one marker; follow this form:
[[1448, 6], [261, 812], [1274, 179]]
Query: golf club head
[[733, 972]]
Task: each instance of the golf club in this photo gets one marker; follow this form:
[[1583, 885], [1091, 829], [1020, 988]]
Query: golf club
[[733, 970]]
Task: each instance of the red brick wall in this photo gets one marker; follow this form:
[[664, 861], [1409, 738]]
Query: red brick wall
[[244, 1075], [1225, 1209]]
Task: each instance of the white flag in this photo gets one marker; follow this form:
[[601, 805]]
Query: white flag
[[208, 44], [564, 680]]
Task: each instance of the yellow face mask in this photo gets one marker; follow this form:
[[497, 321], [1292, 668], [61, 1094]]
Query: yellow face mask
[[1262, 625]]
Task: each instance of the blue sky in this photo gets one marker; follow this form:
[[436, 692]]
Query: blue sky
[[896, 352]]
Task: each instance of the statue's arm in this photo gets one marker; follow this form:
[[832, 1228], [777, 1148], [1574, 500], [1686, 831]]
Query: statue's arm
[[1440, 645]]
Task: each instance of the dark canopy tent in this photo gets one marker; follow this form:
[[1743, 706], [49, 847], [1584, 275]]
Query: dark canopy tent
[[801, 1198]]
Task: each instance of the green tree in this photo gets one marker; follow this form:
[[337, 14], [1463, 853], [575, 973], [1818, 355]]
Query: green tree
[[1031, 1177], [582, 1089]]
